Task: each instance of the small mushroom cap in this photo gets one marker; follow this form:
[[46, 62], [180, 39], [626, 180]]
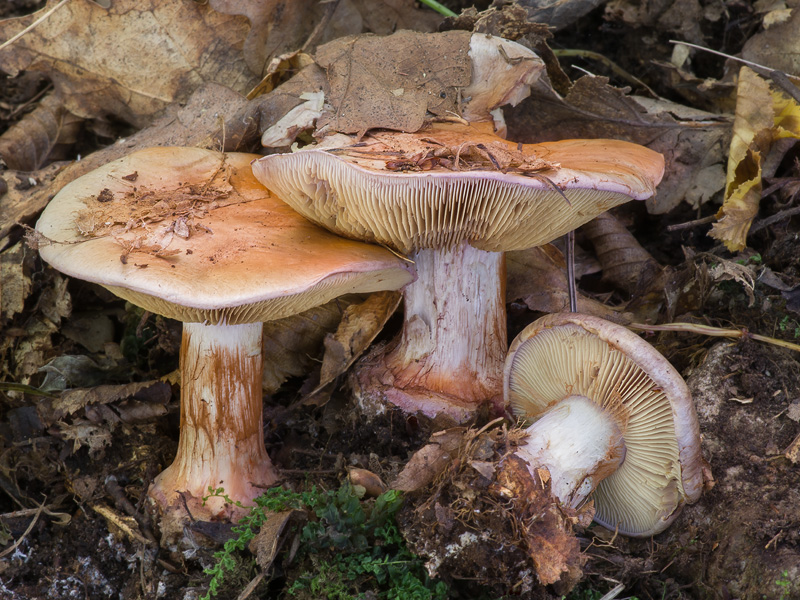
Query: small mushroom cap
[[455, 182], [190, 234], [568, 354]]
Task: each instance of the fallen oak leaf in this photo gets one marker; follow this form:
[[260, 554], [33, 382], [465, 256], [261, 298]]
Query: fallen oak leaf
[[392, 82], [137, 58], [28, 144], [198, 123], [278, 27], [292, 345]]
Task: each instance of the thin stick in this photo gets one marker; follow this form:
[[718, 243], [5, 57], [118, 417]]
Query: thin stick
[[614, 67], [690, 224], [777, 217], [736, 58], [16, 544], [13, 39], [781, 79], [716, 332], [570, 251]]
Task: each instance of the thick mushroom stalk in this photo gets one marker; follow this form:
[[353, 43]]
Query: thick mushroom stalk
[[613, 419], [434, 363], [453, 197], [221, 441]]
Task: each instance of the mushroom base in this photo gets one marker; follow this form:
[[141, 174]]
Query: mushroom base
[[221, 442], [448, 359], [578, 443]]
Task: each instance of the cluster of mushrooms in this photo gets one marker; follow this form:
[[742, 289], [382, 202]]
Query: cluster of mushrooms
[[225, 242]]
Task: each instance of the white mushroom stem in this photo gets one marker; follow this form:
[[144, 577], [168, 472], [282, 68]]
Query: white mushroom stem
[[221, 438], [451, 351], [579, 443]]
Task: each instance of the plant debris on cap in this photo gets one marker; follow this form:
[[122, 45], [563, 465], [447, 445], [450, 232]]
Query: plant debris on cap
[[453, 182], [570, 355], [196, 238]]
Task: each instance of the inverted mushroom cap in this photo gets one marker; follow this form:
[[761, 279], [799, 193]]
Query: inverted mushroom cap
[[569, 354], [190, 234], [450, 183]]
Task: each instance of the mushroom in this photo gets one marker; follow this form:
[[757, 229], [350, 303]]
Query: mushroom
[[454, 197], [189, 234], [612, 416]]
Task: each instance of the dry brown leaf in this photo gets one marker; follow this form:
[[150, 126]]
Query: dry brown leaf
[[777, 47], [278, 27], [762, 117], [707, 94], [684, 18], [199, 123], [359, 326], [291, 108], [15, 281], [623, 258], [537, 276], [559, 14], [392, 81], [137, 57], [424, 466], [792, 451], [628, 266], [83, 433], [71, 401], [291, 346], [270, 537], [430, 461], [691, 141], [26, 145], [31, 351]]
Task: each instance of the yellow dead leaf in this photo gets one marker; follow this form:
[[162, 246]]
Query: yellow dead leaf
[[762, 116]]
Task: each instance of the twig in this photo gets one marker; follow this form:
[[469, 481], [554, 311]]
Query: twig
[[715, 332], [326, 19], [250, 587], [781, 79], [779, 216], [614, 67], [570, 251], [16, 544], [13, 39], [690, 224]]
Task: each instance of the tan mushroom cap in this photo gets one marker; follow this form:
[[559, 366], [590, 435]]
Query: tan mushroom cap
[[192, 235], [409, 190], [570, 354]]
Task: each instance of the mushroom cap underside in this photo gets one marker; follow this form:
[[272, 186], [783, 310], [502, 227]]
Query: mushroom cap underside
[[451, 183], [569, 354], [191, 234]]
